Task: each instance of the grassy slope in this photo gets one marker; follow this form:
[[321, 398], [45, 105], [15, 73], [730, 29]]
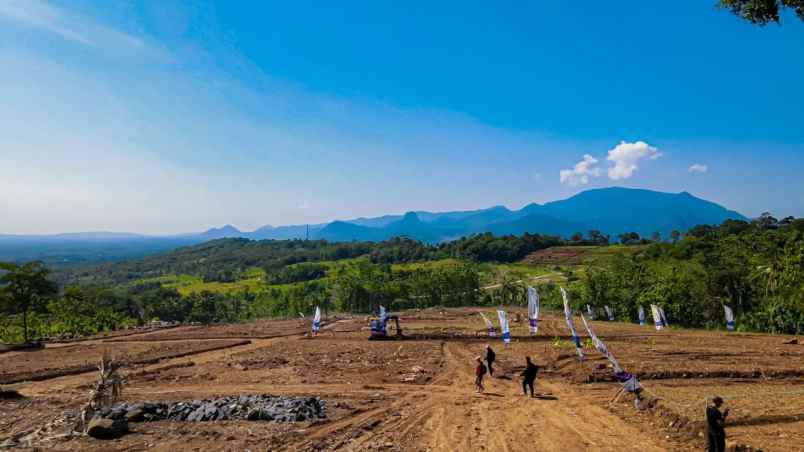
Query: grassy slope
[[490, 273]]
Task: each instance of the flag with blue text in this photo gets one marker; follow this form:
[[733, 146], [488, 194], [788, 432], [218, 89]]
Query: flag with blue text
[[317, 320], [600, 346], [570, 324], [730, 325], [533, 310], [657, 317], [506, 333], [664, 317], [628, 380]]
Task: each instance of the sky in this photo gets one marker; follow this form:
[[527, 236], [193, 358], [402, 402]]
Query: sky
[[169, 116]]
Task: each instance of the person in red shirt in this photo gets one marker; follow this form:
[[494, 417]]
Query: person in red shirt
[[480, 372]]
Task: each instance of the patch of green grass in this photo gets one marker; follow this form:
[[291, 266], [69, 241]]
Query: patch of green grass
[[252, 280], [596, 253], [492, 273], [427, 265]]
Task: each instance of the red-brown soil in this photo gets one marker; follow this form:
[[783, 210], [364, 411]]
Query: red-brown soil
[[558, 255], [417, 394]]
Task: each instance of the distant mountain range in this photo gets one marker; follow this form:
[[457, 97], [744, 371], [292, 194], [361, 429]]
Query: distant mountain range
[[609, 210]]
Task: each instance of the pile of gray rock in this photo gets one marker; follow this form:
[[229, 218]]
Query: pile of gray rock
[[244, 407]]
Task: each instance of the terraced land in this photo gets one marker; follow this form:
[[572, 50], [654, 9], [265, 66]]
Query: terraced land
[[416, 393]]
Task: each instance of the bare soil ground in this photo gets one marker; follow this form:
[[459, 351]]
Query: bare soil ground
[[558, 255], [417, 394], [261, 329], [57, 361]]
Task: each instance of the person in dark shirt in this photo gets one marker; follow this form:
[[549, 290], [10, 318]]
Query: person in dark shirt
[[490, 357], [715, 426], [529, 376], [480, 371]]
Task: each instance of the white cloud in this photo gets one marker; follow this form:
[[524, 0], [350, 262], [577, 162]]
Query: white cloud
[[698, 168], [625, 157], [579, 175]]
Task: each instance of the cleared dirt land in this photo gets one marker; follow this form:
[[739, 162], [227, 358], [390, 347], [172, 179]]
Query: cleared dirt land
[[417, 394]]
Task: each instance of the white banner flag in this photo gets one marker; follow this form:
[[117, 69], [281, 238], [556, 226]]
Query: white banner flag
[[568, 316], [601, 347], [609, 313], [533, 310], [506, 333], [664, 317], [383, 314], [658, 319], [630, 382], [590, 312], [317, 320], [489, 325], [730, 325], [641, 316]]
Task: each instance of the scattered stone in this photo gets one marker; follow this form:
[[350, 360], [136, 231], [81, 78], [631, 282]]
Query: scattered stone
[[9, 394], [103, 428], [248, 407], [135, 415], [793, 341]]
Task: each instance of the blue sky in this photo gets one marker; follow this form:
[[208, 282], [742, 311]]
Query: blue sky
[[169, 116]]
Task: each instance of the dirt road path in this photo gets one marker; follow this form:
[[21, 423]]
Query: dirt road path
[[444, 415], [503, 419], [447, 416]]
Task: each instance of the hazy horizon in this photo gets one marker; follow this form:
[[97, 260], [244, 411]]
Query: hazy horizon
[[205, 228], [162, 117]]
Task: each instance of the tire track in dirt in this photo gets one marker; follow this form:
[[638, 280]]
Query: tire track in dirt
[[446, 416], [443, 415], [87, 376], [63, 383], [503, 419]]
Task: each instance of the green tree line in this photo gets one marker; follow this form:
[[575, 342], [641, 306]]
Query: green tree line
[[755, 268]]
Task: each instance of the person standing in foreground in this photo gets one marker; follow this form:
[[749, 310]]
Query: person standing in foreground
[[529, 376], [715, 426], [480, 371], [490, 357]]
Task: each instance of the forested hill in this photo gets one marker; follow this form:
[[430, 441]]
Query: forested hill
[[611, 211], [756, 268], [226, 260]]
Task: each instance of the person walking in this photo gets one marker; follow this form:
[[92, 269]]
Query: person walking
[[716, 426], [490, 357], [529, 376], [480, 372]]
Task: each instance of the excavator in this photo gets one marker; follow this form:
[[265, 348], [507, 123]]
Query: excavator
[[379, 328]]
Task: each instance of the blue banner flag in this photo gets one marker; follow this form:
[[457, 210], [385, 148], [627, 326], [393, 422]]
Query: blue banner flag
[[533, 311], [317, 320], [506, 333], [570, 324], [730, 325]]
